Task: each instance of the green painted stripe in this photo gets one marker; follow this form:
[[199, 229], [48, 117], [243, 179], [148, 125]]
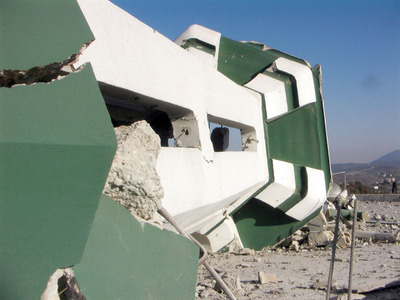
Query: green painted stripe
[[294, 137], [242, 61], [260, 225]]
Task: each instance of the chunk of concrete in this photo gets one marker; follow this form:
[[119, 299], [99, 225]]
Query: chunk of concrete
[[265, 278], [322, 238]]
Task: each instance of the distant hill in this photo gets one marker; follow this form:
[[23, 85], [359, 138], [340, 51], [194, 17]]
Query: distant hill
[[370, 173], [392, 158]]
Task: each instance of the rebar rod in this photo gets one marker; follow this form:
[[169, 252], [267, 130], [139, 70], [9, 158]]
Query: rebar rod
[[335, 239], [353, 242], [162, 211]]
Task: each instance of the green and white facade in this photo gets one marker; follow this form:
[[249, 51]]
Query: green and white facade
[[57, 144]]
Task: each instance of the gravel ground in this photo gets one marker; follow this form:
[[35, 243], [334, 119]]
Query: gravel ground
[[297, 274]]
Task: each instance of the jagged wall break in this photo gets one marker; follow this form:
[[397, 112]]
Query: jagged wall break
[[133, 180]]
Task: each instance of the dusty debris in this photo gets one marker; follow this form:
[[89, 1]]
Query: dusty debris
[[378, 236], [133, 180], [322, 285], [321, 238], [265, 278], [232, 282]]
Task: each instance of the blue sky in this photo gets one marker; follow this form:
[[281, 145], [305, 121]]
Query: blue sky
[[357, 43]]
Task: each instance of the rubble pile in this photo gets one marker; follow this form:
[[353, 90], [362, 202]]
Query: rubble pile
[[298, 267]]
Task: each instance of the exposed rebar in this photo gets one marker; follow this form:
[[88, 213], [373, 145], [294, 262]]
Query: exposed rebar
[[353, 242], [335, 239], [162, 211]]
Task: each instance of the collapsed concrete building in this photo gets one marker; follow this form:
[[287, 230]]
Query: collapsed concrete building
[[90, 67]]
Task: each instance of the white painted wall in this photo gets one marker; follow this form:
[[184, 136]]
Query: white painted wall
[[133, 56]]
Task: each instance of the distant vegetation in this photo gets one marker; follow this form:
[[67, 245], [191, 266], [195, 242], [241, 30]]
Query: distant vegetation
[[357, 188]]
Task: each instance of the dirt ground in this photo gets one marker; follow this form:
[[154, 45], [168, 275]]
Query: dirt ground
[[297, 274]]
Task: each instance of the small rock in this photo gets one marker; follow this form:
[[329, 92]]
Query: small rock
[[232, 282], [264, 277], [322, 285]]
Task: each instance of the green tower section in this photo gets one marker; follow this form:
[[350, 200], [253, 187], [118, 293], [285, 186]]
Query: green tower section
[[125, 259], [297, 137], [37, 33], [56, 147]]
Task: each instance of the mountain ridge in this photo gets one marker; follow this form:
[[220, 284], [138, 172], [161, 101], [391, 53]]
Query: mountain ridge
[[389, 159]]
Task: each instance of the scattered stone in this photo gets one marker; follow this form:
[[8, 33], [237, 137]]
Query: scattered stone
[[232, 282], [246, 251], [321, 238], [322, 285], [295, 246], [265, 278]]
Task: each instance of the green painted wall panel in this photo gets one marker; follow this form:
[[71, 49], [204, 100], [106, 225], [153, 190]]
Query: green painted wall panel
[[56, 147], [125, 259], [241, 62], [40, 32], [68, 111], [260, 225], [294, 138]]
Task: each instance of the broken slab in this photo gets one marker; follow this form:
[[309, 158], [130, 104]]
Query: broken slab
[[321, 238]]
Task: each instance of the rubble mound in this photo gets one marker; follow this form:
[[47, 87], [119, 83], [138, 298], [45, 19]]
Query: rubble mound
[[133, 180]]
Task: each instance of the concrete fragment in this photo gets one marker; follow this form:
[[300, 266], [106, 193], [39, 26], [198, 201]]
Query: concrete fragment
[[344, 240], [318, 223], [265, 278], [294, 246], [322, 285], [232, 282], [321, 238], [133, 180], [366, 235]]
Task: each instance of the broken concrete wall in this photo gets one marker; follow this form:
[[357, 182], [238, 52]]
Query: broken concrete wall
[[133, 180]]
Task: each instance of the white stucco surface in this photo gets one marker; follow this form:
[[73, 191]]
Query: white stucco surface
[[132, 56]]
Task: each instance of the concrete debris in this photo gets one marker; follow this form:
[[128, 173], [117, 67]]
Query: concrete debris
[[322, 238], [62, 285], [246, 251], [232, 282], [265, 278], [344, 240], [133, 180], [322, 285], [378, 236], [318, 223]]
